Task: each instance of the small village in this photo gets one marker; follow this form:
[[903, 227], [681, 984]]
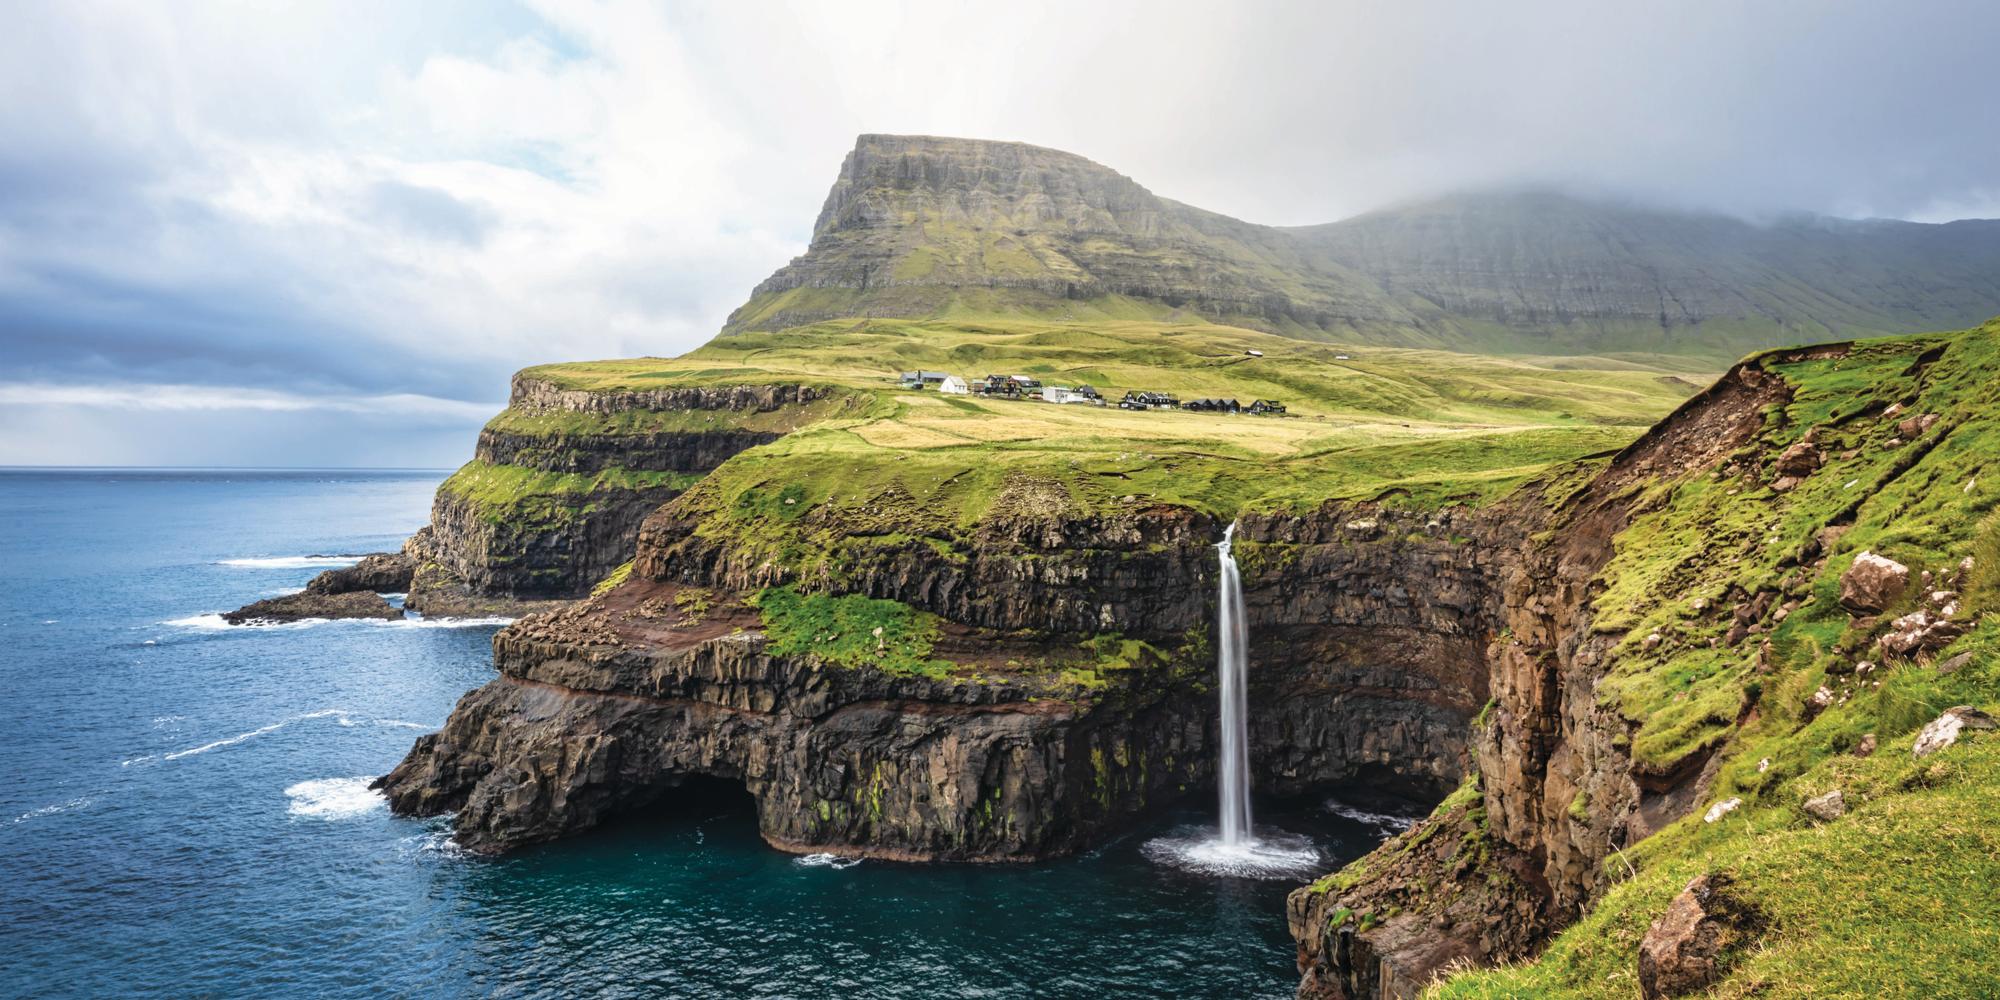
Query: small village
[[1031, 389]]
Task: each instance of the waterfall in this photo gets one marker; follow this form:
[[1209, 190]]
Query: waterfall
[[1237, 852], [1232, 659]]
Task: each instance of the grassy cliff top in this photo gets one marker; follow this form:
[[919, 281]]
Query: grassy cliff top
[[1431, 425]]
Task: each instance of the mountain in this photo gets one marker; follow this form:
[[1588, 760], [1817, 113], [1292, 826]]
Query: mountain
[[919, 226]]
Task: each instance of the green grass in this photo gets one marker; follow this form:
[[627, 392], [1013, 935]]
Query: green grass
[[507, 493], [1713, 536], [1417, 428], [851, 631]]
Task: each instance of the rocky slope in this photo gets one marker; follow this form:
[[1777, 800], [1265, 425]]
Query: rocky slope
[[1696, 626], [919, 226]]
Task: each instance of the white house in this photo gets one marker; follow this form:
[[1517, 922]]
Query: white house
[[954, 385], [1064, 394]]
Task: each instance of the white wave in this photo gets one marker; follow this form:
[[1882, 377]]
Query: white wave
[[252, 734], [214, 623], [333, 798], [290, 562], [401, 724], [209, 621], [833, 861], [1271, 855], [436, 842], [75, 803], [446, 622], [1386, 824], [141, 759]]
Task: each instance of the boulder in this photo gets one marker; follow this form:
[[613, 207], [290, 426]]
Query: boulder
[[301, 606], [1721, 809], [1827, 808], [1872, 583], [1954, 664], [1682, 951], [1799, 461], [381, 573], [1820, 701], [1944, 730], [1921, 632], [1914, 426], [1865, 748]]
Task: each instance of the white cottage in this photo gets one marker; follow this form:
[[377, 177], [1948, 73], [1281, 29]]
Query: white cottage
[[954, 385]]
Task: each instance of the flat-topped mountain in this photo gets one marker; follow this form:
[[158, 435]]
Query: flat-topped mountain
[[918, 227]]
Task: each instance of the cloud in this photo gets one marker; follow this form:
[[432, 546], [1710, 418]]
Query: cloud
[[369, 200], [172, 398]]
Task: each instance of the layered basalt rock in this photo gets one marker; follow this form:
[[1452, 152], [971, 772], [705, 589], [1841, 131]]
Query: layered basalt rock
[[1369, 631], [604, 705], [609, 704], [552, 537]]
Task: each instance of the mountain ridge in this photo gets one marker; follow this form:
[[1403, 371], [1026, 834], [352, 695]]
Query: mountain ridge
[[925, 226]]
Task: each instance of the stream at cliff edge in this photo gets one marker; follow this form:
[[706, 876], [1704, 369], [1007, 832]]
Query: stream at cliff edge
[[183, 808]]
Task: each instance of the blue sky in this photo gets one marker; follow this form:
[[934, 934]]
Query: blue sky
[[325, 234]]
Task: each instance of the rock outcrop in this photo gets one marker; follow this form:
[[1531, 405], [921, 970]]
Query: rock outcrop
[[310, 604], [1872, 583], [1684, 950], [380, 573]]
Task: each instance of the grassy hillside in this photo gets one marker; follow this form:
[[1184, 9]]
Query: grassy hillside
[[1425, 427]]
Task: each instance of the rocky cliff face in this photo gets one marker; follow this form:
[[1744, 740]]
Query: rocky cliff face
[[1004, 754], [552, 501], [917, 225]]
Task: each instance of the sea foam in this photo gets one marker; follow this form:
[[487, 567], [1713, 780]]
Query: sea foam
[[253, 734], [834, 861], [290, 562], [1267, 855], [333, 798], [1385, 824]]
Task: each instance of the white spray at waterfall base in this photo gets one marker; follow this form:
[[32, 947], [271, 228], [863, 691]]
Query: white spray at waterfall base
[[1237, 849]]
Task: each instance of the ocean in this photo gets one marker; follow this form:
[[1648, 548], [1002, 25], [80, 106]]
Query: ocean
[[184, 811]]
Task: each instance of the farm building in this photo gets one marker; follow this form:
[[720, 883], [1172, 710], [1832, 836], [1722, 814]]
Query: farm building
[[954, 385], [1269, 407], [1136, 400], [1212, 405], [1064, 394], [921, 379]]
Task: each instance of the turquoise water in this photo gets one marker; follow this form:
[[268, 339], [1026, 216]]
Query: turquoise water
[[183, 810]]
